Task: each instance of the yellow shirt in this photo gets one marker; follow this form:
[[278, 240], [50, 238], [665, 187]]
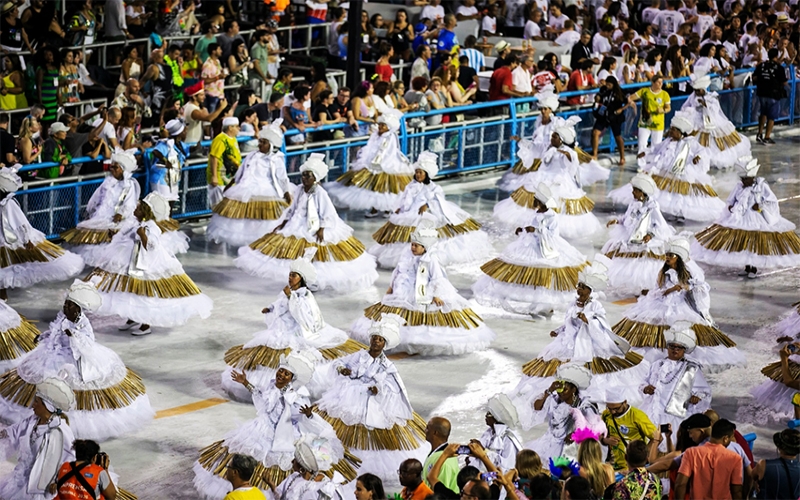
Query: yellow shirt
[[245, 494], [651, 102], [225, 149], [633, 425]]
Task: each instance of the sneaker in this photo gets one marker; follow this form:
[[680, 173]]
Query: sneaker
[[752, 273], [127, 326], [745, 272], [372, 215], [387, 214], [769, 141], [139, 332], [759, 139]]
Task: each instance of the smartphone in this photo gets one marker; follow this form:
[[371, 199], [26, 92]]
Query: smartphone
[[664, 428], [792, 348], [488, 476], [463, 450]]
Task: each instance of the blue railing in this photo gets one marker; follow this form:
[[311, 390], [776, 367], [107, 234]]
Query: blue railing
[[481, 142]]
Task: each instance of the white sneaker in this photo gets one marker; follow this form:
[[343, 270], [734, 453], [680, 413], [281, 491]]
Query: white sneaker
[[372, 215], [139, 332], [128, 326], [387, 214], [744, 272], [751, 275]]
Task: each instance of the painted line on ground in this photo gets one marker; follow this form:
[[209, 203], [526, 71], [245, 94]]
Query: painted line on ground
[[191, 407], [625, 302]]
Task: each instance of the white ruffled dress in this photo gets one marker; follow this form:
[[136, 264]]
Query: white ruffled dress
[[294, 323], [560, 172], [146, 284], [341, 261], [537, 272], [747, 237], [17, 336], [255, 202], [645, 322], [592, 344], [376, 178], [634, 262], [460, 238], [269, 438], [429, 329], [685, 188], [381, 429], [296, 487], [773, 393], [561, 424], [110, 398], [715, 132], [22, 267]]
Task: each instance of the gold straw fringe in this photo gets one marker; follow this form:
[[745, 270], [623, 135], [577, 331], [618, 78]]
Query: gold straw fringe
[[523, 198], [465, 318], [405, 437], [617, 254], [722, 239], [81, 236], [216, 457], [541, 368], [684, 188], [520, 169], [279, 246], [583, 156], [15, 342], [42, 252], [168, 225], [252, 358], [577, 206], [773, 371], [727, 141], [646, 335], [125, 495], [562, 279], [380, 183], [255, 209], [174, 287], [14, 389], [392, 233]]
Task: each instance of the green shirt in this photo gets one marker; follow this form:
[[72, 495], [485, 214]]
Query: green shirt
[[202, 47], [177, 79], [448, 473], [261, 54]]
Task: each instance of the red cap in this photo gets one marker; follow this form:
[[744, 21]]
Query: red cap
[[197, 87]]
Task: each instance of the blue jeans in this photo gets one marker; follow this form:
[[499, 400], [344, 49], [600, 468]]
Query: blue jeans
[[211, 103]]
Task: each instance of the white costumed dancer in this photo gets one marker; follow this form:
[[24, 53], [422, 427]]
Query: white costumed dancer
[[751, 233], [26, 257], [584, 338], [311, 221], [294, 323], [781, 393], [313, 459], [461, 239], [500, 440], [560, 172], [437, 320], [679, 294], [111, 399], [284, 416], [713, 129], [17, 337], [110, 209], [369, 409], [563, 406], [536, 273], [43, 441], [260, 193], [676, 387], [142, 281], [379, 175], [637, 240], [679, 166]]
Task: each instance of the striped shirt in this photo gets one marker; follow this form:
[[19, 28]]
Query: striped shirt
[[475, 57]]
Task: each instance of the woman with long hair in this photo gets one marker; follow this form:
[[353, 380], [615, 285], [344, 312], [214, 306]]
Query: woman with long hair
[[69, 79], [599, 474], [369, 487], [12, 92], [29, 142], [609, 111], [652, 63], [383, 67], [364, 111], [239, 64], [125, 128], [458, 94], [628, 72], [608, 67], [401, 34], [131, 68], [318, 80]]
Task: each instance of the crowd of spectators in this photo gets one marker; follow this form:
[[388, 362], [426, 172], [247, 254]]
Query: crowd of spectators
[[613, 44]]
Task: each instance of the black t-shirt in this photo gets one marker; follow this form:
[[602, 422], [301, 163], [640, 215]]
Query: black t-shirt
[[7, 145], [262, 111], [499, 63], [770, 77], [609, 104], [338, 108], [579, 52], [319, 109], [466, 76]]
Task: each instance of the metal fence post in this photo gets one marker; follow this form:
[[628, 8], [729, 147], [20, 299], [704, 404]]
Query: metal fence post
[[792, 93]]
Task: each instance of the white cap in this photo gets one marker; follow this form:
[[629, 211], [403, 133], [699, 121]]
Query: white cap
[[644, 183], [428, 162], [747, 166], [567, 134], [575, 374], [543, 194], [549, 101], [681, 333], [681, 122], [10, 182], [503, 410], [158, 204], [230, 121], [316, 165], [425, 233], [273, 133], [388, 328], [300, 365], [175, 127], [125, 160], [85, 295], [595, 276], [55, 394], [58, 127], [391, 120], [304, 267], [680, 247], [313, 453], [700, 82], [616, 394]]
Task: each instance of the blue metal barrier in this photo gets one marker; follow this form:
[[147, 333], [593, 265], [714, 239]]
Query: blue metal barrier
[[481, 140], [750, 438]]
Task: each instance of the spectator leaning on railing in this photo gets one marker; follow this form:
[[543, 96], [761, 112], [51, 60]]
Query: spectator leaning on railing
[[7, 142]]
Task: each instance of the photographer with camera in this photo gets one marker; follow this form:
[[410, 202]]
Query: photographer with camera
[[87, 477]]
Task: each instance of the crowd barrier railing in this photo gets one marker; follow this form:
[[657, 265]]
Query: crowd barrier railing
[[478, 137]]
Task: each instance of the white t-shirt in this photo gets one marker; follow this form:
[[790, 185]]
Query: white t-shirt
[[489, 25], [746, 40], [568, 38], [649, 14], [557, 22], [432, 12], [733, 50], [668, 22], [521, 80], [467, 11], [194, 128], [108, 131], [602, 75], [544, 6], [600, 44], [704, 23], [531, 30]]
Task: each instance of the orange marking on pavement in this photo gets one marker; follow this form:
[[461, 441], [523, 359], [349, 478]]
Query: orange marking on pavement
[[625, 302], [199, 405], [400, 355]]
